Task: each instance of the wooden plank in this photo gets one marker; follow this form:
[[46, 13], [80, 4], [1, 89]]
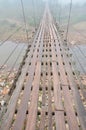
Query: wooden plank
[[72, 121], [31, 121], [77, 99], [26, 95], [42, 120], [78, 103], [49, 100], [47, 32], [24, 101], [7, 119], [60, 122], [59, 111], [33, 105]]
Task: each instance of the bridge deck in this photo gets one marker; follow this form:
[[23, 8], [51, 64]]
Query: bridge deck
[[46, 96]]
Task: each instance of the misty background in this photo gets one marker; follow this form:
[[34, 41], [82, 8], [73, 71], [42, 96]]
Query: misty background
[[11, 14]]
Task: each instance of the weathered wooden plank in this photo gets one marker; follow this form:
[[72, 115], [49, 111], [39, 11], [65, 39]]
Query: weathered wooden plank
[[72, 121], [31, 121], [46, 35], [49, 100], [43, 109], [59, 111], [24, 104], [7, 119], [78, 103]]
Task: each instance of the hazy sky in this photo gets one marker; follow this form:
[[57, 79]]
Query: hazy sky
[[67, 1], [60, 1], [74, 1]]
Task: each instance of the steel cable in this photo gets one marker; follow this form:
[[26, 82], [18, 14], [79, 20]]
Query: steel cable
[[9, 56], [15, 62], [10, 36], [25, 24], [69, 21]]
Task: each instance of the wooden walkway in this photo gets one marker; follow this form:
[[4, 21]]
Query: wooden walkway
[[46, 96]]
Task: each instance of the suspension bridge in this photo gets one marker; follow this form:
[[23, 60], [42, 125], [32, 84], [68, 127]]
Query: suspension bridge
[[45, 95]]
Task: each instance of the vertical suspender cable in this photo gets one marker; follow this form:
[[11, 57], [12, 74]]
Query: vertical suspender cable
[[68, 21], [40, 4], [23, 11], [60, 15], [55, 9], [41, 9], [34, 15], [37, 11], [60, 11]]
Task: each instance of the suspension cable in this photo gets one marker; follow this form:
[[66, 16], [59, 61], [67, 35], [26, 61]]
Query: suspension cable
[[68, 21], [25, 24], [60, 15], [10, 36], [34, 13], [79, 61], [10, 55], [17, 28], [15, 62], [75, 55], [55, 9], [81, 51]]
